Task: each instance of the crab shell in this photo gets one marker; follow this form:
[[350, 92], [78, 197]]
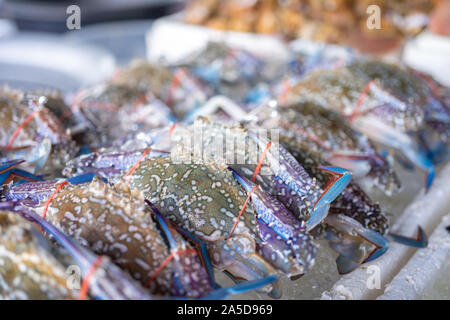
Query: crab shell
[[340, 90], [326, 135], [243, 156], [43, 134], [30, 270], [206, 200], [115, 222], [177, 87]]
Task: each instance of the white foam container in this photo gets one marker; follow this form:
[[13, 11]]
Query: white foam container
[[402, 268]]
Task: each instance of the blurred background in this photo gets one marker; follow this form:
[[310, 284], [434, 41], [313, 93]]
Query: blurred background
[[34, 36]]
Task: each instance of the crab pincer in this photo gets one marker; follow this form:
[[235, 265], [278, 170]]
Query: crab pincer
[[341, 178], [279, 228], [8, 172], [289, 171]]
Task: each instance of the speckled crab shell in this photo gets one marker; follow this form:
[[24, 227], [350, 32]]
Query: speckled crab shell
[[326, 135], [243, 156], [205, 199], [14, 112], [114, 221], [340, 90], [352, 202], [28, 268], [181, 92]]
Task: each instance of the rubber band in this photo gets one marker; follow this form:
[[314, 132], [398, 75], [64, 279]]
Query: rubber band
[[361, 99], [284, 92], [176, 80], [135, 166], [166, 262], [85, 284], [260, 162], [47, 204], [20, 127], [172, 128], [242, 211]]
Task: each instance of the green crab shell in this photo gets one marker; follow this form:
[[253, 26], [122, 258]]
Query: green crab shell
[[27, 269], [111, 222], [340, 90], [202, 198]]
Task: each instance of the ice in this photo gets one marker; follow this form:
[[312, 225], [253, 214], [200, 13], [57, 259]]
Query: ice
[[323, 275], [440, 288]]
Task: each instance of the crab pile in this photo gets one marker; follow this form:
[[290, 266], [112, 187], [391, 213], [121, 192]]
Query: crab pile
[[152, 182]]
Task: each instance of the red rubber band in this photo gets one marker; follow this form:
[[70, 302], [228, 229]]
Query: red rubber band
[[166, 262], [361, 99], [47, 204], [172, 128], [176, 80], [136, 165], [260, 162], [284, 92], [242, 211], [20, 127], [85, 284]]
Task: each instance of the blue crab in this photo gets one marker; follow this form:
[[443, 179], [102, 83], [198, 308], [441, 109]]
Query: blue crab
[[322, 132], [380, 100], [115, 221], [41, 275], [31, 132]]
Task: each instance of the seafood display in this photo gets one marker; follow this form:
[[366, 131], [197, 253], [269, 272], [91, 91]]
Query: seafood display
[[335, 21], [160, 178]]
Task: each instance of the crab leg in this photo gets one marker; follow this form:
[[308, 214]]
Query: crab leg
[[421, 240], [8, 171]]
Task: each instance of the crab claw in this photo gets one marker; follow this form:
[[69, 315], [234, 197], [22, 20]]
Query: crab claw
[[375, 129], [288, 170], [242, 287], [8, 171], [350, 246], [189, 277], [110, 284], [421, 160], [420, 242], [286, 242], [341, 178]]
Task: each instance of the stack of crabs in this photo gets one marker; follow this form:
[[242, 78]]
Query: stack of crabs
[[152, 182]]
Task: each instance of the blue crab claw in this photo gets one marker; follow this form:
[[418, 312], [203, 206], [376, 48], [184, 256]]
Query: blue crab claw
[[6, 166], [288, 170], [318, 215], [421, 161], [341, 178], [108, 285], [8, 172], [189, 275], [201, 245], [378, 252], [286, 242], [82, 178], [350, 245], [420, 242], [242, 287], [346, 265]]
